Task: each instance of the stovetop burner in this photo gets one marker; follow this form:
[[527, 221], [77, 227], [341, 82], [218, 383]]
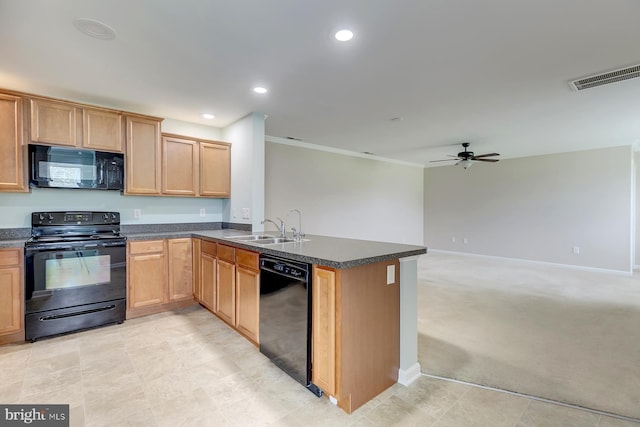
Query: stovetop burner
[[75, 226], [45, 239]]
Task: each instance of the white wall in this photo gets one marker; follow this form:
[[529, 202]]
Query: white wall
[[537, 208], [16, 208], [247, 170], [344, 196]]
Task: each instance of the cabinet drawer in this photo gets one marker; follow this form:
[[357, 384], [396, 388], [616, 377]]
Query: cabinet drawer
[[10, 257], [227, 253], [208, 248], [146, 246], [247, 259]]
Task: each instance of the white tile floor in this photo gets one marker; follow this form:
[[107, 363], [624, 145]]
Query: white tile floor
[[188, 368]]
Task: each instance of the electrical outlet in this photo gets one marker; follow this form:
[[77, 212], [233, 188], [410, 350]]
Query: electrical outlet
[[391, 274], [245, 213], [576, 250], [202, 212], [137, 213]]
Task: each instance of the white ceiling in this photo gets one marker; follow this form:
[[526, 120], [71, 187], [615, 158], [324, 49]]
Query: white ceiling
[[491, 72]]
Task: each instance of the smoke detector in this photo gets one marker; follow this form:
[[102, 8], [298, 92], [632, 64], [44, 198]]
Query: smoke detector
[[94, 28], [606, 78]]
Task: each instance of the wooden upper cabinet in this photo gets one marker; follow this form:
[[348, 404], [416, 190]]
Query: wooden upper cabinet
[[55, 122], [102, 130], [215, 169], [67, 124], [179, 166], [12, 170], [195, 168], [143, 156]]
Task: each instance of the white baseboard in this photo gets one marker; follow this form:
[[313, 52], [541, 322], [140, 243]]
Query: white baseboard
[[407, 376], [529, 261]]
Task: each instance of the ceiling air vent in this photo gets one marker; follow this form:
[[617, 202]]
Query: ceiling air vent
[[606, 78]]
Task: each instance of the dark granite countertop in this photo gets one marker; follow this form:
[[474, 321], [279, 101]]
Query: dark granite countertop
[[322, 250], [4, 243]]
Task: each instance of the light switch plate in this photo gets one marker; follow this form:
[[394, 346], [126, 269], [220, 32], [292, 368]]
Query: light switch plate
[[391, 274]]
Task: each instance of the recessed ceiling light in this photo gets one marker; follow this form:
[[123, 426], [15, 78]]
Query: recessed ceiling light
[[95, 29], [344, 35], [260, 89], [208, 116]]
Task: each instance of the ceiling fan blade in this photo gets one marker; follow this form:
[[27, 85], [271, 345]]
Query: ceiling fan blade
[[444, 160], [485, 160], [486, 155]]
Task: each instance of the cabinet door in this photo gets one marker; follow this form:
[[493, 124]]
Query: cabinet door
[[226, 292], [196, 253], [248, 302], [102, 130], [12, 171], [142, 156], [55, 122], [147, 274], [179, 166], [180, 269], [324, 329], [215, 169], [208, 274], [11, 299]]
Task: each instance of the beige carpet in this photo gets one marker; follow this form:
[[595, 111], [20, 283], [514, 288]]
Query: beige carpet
[[552, 332]]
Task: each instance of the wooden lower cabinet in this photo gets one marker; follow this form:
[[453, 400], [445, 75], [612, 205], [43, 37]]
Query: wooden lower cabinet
[[147, 271], [355, 332], [11, 296], [180, 265], [159, 276], [207, 275], [226, 285], [324, 329], [248, 294]]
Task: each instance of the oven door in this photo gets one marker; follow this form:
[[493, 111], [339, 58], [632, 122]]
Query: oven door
[[69, 275]]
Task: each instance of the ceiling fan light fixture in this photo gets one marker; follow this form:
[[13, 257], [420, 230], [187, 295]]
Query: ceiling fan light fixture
[[466, 163]]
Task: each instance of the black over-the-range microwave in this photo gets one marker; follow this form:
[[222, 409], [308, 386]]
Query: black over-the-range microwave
[[58, 167]]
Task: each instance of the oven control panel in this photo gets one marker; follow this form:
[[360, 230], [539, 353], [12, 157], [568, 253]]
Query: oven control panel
[[74, 218]]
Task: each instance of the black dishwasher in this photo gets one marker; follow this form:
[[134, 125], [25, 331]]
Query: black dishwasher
[[285, 317]]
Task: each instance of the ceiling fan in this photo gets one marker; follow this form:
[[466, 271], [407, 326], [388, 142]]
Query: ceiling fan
[[466, 157]]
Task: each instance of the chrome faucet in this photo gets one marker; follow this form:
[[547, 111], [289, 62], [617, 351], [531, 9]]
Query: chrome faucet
[[281, 228], [298, 234]]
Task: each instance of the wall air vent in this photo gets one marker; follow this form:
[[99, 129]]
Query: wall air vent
[[606, 78]]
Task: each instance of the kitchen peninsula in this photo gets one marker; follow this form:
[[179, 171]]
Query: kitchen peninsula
[[365, 306]]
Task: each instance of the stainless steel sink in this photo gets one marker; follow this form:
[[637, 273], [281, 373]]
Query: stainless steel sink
[[273, 240], [253, 237], [261, 239]]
